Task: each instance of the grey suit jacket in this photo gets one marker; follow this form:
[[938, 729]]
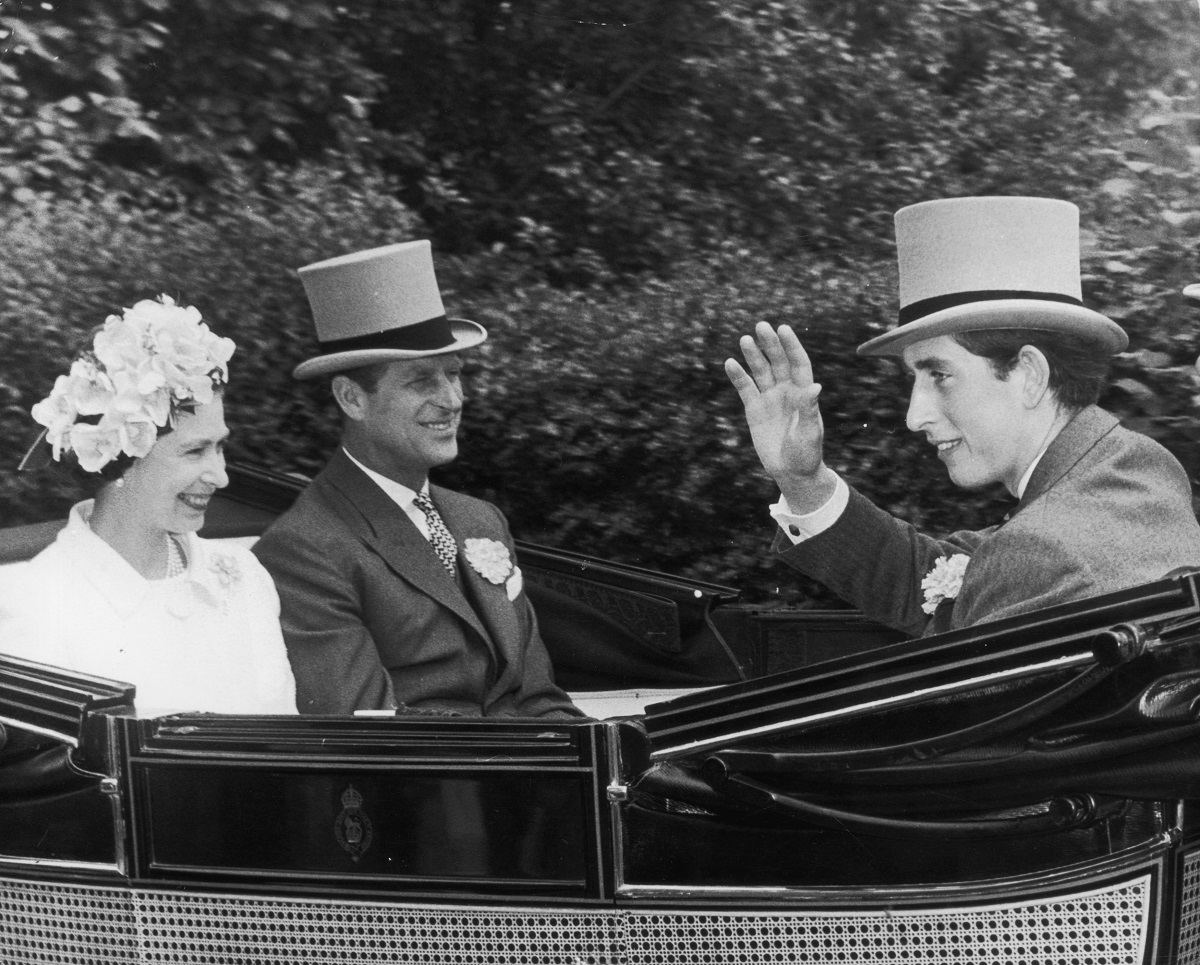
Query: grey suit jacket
[[372, 619], [1105, 509]]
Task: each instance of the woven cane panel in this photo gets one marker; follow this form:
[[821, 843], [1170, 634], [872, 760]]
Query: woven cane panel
[[233, 931], [1095, 928], [1189, 912], [71, 925], [65, 924]]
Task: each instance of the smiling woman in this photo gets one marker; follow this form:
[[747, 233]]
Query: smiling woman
[[128, 590], [144, 512]]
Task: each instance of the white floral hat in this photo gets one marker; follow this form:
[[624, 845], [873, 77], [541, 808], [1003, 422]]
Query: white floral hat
[[145, 366]]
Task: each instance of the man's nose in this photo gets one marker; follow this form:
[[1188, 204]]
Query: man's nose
[[920, 413], [449, 394]]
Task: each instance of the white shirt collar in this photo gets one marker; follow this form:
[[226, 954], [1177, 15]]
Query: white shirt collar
[[399, 493], [1029, 472], [1038, 458]]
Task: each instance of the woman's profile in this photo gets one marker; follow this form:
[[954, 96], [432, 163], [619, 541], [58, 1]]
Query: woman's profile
[[128, 590]]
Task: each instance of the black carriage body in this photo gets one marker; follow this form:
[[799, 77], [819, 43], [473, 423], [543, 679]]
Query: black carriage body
[[1018, 793]]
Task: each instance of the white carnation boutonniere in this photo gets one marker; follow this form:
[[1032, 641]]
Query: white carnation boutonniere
[[512, 586], [491, 560], [944, 580]]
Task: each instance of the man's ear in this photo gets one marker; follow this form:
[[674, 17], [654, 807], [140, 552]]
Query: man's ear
[[350, 397], [1034, 369]]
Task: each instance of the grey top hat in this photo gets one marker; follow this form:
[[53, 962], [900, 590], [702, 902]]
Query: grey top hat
[[968, 264], [380, 305]]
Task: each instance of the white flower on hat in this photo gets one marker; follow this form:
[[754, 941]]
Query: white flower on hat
[[944, 581], [90, 388], [57, 413], [118, 345], [137, 435], [145, 365], [94, 445]]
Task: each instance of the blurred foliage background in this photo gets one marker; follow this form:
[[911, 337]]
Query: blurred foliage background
[[617, 190]]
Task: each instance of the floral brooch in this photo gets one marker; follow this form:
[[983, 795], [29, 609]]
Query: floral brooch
[[944, 580], [225, 569], [490, 559]]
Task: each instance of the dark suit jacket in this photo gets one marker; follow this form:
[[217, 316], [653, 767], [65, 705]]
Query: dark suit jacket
[[372, 619], [1105, 509]]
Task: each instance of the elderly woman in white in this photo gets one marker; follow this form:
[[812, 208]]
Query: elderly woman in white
[[128, 590]]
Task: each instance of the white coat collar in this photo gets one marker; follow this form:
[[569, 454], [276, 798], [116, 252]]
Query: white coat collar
[[208, 576]]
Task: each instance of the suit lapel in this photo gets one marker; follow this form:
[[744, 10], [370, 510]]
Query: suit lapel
[[1076, 440], [491, 599], [388, 531]]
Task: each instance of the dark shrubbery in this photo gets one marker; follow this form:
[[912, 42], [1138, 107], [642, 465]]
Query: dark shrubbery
[[601, 421], [616, 206]]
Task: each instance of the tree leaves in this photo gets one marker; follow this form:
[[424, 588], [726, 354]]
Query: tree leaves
[[616, 191]]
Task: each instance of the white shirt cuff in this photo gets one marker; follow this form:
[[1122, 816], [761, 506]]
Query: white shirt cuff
[[799, 528]]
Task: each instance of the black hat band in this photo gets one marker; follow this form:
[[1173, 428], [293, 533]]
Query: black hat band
[[927, 306], [433, 333]]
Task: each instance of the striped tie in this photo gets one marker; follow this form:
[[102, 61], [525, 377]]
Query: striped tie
[[439, 536]]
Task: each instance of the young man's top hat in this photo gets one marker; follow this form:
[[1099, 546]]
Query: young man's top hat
[[972, 264]]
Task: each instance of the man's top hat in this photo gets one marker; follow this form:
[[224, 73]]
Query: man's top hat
[[968, 264], [380, 305]]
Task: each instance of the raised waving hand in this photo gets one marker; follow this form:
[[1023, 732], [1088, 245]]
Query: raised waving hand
[[780, 399]]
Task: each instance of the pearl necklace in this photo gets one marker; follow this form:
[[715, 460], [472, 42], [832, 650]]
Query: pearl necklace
[[176, 561]]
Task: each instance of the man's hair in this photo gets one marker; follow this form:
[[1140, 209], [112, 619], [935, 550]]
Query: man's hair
[[367, 377], [1078, 370]]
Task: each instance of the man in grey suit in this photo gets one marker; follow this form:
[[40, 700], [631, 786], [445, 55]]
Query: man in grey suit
[[396, 593], [1007, 365]]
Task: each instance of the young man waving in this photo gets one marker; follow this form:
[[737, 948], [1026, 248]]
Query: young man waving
[[1006, 366]]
